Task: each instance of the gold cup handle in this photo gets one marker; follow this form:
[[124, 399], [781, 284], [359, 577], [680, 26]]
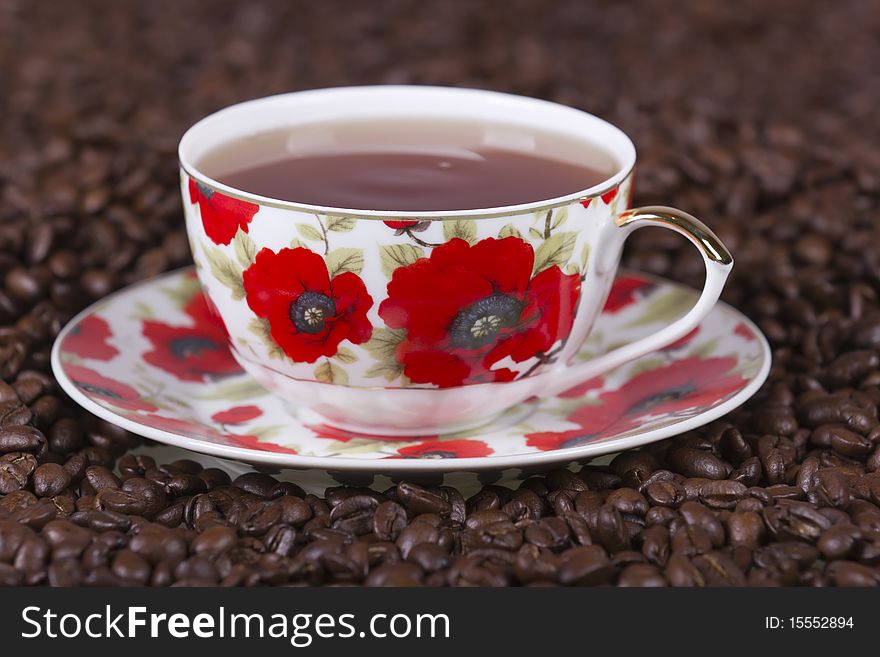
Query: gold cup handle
[[718, 262]]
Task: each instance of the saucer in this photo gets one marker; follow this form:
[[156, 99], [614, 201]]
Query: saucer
[[151, 359]]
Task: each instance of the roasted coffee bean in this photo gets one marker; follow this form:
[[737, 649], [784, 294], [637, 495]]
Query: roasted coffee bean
[[16, 469], [848, 443], [697, 463], [610, 529], [850, 573], [839, 541], [395, 574], [131, 568], [722, 494], [534, 563], [412, 535], [749, 472], [795, 521], [421, 500], [50, 479], [588, 565], [155, 543], [549, 533], [21, 439], [655, 544], [389, 520], [565, 480], [745, 528], [641, 574], [733, 446]]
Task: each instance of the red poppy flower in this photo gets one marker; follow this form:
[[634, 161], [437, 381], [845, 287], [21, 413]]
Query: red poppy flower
[[222, 215], [237, 414], [582, 388], [682, 385], [401, 225], [309, 313], [623, 292], [343, 435], [191, 353], [88, 339], [744, 331], [114, 392], [465, 308], [205, 313], [445, 449], [681, 342], [608, 196]]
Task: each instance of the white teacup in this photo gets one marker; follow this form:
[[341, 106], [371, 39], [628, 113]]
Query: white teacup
[[398, 323]]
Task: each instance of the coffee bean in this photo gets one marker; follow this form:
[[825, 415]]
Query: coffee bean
[[745, 528], [722, 494], [697, 463], [588, 565], [16, 469], [21, 439], [50, 479], [850, 573], [131, 568], [389, 520], [421, 500], [795, 521], [549, 533]]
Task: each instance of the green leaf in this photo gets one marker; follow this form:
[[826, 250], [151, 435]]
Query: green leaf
[[460, 228], [572, 268], [225, 271], [328, 372], [645, 365], [705, 350], [297, 243], [309, 232], [263, 330], [389, 371], [143, 310], [534, 232], [665, 308], [556, 250], [343, 260], [509, 231], [393, 256], [245, 249], [560, 216], [383, 343], [340, 224], [234, 391], [183, 293], [585, 258], [269, 431], [344, 355]]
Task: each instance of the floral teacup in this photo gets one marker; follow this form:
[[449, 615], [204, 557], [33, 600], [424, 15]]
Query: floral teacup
[[403, 323]]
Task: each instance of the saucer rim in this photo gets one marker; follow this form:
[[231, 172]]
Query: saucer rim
[[391, 465]]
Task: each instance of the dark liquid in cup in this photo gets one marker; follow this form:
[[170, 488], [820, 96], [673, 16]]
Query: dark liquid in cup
[[415, 166]]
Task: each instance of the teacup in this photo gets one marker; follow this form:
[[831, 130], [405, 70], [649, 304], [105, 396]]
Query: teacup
[[397, 323]]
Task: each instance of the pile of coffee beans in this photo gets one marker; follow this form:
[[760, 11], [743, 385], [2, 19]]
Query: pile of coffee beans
[[739, 117]]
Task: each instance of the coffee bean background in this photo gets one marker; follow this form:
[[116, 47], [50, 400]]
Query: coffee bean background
[[759, 117]]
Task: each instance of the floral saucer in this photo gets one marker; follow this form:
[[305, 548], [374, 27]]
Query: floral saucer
[[151, 359]]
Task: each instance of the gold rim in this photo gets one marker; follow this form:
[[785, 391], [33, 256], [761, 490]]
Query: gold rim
[[684, 223], [400, 216]]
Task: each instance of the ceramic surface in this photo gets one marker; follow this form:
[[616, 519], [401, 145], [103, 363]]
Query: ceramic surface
[[398, 322], [152, 359]]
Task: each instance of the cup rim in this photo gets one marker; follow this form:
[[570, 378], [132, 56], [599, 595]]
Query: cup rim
[[625, 168]]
